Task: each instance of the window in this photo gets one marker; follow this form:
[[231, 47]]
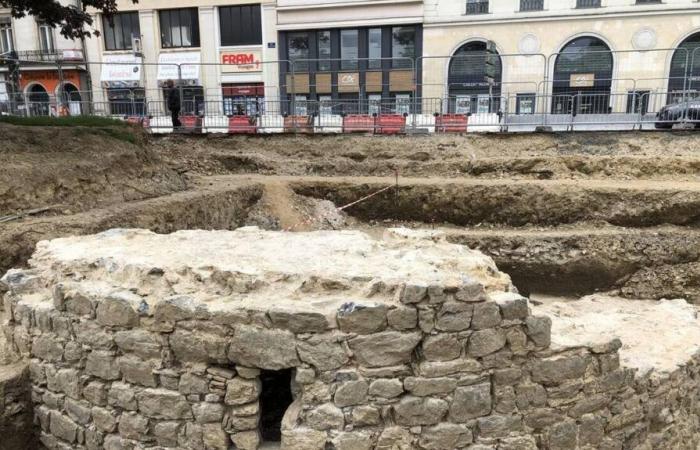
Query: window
[[587, 3], [179, 28], [324, 50], [348, 49], [6, 41], [240, 25], [531, 5], [374, 40], [46, 38], [477, 6], [525, 104], [118, 34], [403, 45], [298, 49]]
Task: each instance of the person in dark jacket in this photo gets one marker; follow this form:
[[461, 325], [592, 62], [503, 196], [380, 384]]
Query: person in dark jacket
[[174, 103]]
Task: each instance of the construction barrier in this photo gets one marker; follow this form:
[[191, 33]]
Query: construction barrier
[[191, 123], [451, 123], [242, 125], [298, 124], [391, 123], [358, 123]]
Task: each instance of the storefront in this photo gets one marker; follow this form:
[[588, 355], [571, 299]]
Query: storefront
[[242, 88], [184, 69], [351, 70], [469, 90], [121, 77]]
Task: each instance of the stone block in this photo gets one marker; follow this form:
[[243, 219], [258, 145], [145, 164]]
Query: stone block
[[355, 440], [486, 315], [395, 438], [325, 417], [412, 411], [539, 329], [434, 369], [47, 348], [423, 387], [265, 349], [386, 388], [454, 316], [194, 347], [498, 426], [299, 321], [362, 318], [68, 382], [140, 342], [166, 433], [78, 411], [138, 371], [402, 318], [445, 436], [120, 309], [486, 342], [193, 384], [322, 352], [246, 440], [387, 348], [559, 368], [351, 393], [441, 347], [208, 412], [63, 427], [133, 426], [363, 416], [102, 365], [413, 293], [123, 396], [470, 402], [240, 391], [214, 437], [303, 438], [163, 404], [104, 419], [563, 435]]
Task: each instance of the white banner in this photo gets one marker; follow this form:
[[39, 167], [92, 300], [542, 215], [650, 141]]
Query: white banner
[[189, 63], [121, 68]]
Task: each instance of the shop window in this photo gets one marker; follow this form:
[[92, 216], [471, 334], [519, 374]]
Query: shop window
[[349, 41], [324, 51], [179, 28], [525, 104], [192, 100], [298, 51], [374, 40], [275, 399], [374, 103], [127, 101], [402, 103], [243, 99], [46, 43], [240, 25], [119, 30], [301, 107], [325, 105], [6, 42], [403, 47]]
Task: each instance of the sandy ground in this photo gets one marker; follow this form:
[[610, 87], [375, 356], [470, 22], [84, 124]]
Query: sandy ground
[[659, 335]]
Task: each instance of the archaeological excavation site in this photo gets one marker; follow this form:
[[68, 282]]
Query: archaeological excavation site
[[481, 292]]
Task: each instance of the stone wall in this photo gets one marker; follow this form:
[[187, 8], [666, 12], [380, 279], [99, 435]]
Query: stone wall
[[406, 367], [16, 418]]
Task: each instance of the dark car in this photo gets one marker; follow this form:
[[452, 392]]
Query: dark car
[[670, 115]]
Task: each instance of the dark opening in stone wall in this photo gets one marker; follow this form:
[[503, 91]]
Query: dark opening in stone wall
[[275, 398]]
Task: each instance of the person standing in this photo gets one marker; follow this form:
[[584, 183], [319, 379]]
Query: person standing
[[174, 103]]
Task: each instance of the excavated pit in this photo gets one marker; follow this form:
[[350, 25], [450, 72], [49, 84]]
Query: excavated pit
[[404, 341]]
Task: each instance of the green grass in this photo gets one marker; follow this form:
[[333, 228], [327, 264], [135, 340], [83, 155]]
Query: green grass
[[71, 121]]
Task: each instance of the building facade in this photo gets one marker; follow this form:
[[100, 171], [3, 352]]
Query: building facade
[[559, 56], [33, 84]]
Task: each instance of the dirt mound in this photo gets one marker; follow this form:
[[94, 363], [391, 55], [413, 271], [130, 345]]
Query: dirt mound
[[75, 169]]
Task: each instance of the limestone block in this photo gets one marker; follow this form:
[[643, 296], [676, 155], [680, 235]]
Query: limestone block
[[539, 329], [104, 419], [386, 388], [496, 426], [513, 306], [325, 417], [413, 293], [362, 318], [445, 436], [208, 412], [175, 308], [163, 404], [486, 315], [240, 391], [265, 349], [351, 393], [423, 387], [138, 371], [249, 409], [89, 333], [195, 347], [120, 309], [122, 395], [355, 440], [139, 341], [470, 402], [454, 316], [411, 411], [563, 435], [133, 426], [79, 411], [441, 347], [485, 342], [559, 368], [518, 443], [426, 319], [541, 418], [47, 348], [402, 318], [322, 352], [591, 430], [93, 439], [63, 427], [73, 351], [246, 440], [365, 416], [394, 438], [245, 372], [443, 368], [388, 348], [214, 437], [68, 382], [471, 291], [303, 439], [234, 424], [304, 375], [166, 433], [299, 321]]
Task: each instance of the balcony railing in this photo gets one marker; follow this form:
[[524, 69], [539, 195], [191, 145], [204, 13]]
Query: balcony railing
[[531, 5], [479, 7], [588, 3], [50, 56]]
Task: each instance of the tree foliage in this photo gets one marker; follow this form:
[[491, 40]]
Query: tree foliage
[[72, 20]]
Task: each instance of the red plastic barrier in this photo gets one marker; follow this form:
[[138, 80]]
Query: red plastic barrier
[[298, 124], [358, 123], [451, 123], [391, 124], [242, 125]]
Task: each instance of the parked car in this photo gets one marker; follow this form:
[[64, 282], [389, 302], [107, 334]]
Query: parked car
[[675, 113]]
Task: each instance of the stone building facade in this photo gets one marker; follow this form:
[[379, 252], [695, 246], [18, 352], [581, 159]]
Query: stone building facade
[[425, 346]]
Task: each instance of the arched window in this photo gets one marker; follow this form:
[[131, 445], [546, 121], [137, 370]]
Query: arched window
[[583, 73], [685, 68], [467, 86], [38, 100]]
